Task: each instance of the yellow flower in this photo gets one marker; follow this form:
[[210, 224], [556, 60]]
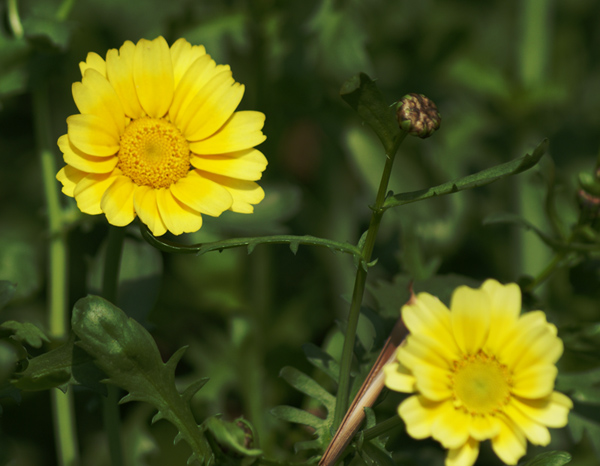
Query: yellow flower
[[158, 137], [480, 371]]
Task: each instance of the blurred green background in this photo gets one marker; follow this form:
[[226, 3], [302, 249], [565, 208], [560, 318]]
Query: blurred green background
[[504, 75]]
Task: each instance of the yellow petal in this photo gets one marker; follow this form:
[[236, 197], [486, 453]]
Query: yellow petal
[[427, 315], [69, 177], [537, 433], [178, 217], [244, 165], [119, 70], [551, 411], [398, 378], [93, 61], [200, 72], [244, 193], [451, 426], [535, 381], [94, 95], [418, 414], [432, 382], [510, 444], [484, 427], [183, 54], [202, 194], [466, 455], [117, 202], [505, 307], [211, 107], [82, 161], [144, 202], [427, 350], [241, 131], [153, 76], [470, 318], [91, 134], [89, 191]]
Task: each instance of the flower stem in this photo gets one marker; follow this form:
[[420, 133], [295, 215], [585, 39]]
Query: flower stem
[[342, 399], [63, 412], [14, 20], [382, 428], [110, 406]]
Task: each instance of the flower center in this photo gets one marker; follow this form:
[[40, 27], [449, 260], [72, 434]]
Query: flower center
[[481, 384], [153, 153]]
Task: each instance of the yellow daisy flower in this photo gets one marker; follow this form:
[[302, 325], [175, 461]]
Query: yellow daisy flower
[[158, 137], [480, 371]]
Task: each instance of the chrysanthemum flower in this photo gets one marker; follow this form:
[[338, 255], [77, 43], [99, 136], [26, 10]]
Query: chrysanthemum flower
[[158, 137], [480, 371]]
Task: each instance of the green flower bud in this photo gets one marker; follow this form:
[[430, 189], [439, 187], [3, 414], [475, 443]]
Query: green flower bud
[[589, 204], [418, 115]]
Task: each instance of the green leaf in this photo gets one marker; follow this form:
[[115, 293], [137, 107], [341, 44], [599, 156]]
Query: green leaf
[[578, 425], [475, 180], [362, 94], [549, 458], [322, 360], [128, 355], [7, 291], [232, 442], [24, 332]]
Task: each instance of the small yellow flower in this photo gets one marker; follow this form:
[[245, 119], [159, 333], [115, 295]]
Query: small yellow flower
[[480, 371], [158, 137]]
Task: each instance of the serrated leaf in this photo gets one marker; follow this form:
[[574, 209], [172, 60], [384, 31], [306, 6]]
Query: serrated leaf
[[549, 458], [25, 332], [322, 360], [297, 416], [303, 383], [475, 180], [128, 355], [362, 94]]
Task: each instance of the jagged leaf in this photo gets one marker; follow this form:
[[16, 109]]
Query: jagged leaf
[[475, 180], [322, 360], [362, 94], [128, 355], [307, 385], [24, 332], [549, 458]]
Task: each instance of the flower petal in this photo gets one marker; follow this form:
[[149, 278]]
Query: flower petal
[[93, 61], [535, 381], [241, 131], [117, 202], [211, 107], [470, 318], [82, 161], [91, 134], [465, 455], [244, 193], [119, 70], [419, 414], [551, 411], [505, 307], [510, 444], [537, 433], [243, 165], [146, 207], [178, 217], [427, 315], [398, 378], [94, 95], [89, 191], [451, 426], [484, 427], [202, 194], [183, 54], [69, 177], [153, 76]]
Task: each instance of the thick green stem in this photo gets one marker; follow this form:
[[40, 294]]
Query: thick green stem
[[63, 413], [110, 406], [343, 394]]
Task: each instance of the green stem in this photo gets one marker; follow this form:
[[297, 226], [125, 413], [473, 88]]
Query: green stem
[[382, 428], [14, 20], [343, 394], [110, 404], [546, 273], [63, 412]]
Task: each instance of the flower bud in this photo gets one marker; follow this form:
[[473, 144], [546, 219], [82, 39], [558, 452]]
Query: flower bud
[[589, 204], [418, 115]]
